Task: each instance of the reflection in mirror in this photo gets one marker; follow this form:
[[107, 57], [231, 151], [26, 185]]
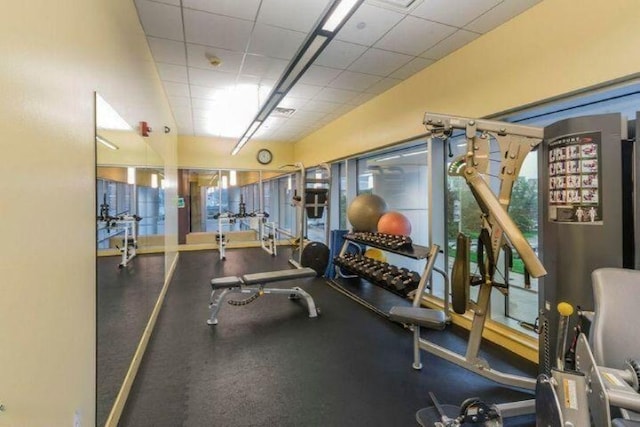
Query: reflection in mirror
[[130, 242], [250, 208]]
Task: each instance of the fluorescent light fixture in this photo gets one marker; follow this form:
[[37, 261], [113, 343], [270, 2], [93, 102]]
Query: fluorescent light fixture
[[334, 16], [225, 182], [107, 117], [384, 159], [415, 153], [272, 103], [233, 179], [339, 14], [370, 181], [254, 127], [154, 180], [131, 175], [315, 45], [106, 143], [289, 184]]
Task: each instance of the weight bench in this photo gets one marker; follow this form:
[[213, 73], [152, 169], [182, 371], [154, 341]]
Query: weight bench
[[417, 317], [253, 284]]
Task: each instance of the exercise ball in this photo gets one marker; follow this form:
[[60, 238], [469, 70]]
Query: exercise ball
[[365, 211], [394, 223], [376, 254]]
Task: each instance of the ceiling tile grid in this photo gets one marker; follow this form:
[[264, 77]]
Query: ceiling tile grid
[[219, 67]]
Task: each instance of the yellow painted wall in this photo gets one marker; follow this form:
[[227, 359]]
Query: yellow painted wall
[[556, 47], [214, 153], [54, 56]]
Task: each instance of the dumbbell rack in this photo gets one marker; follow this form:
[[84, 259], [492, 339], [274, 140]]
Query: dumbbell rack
[[413, 251]]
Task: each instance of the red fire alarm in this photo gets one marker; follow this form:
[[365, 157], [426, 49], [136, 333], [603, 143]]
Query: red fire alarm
[[145, 130]]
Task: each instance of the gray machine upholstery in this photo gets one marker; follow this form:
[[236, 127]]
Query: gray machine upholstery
[[432, 319], [615, 336]]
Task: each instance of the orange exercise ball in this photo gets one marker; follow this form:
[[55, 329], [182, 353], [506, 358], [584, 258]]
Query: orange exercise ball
[[394, 223]]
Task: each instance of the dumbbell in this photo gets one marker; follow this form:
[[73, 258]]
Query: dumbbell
[[380, 275], [378, 267], [406, 281]]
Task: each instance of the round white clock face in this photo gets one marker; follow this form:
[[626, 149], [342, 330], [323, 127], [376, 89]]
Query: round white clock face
[[265, 156]]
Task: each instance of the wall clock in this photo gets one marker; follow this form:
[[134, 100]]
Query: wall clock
[[265, 156]]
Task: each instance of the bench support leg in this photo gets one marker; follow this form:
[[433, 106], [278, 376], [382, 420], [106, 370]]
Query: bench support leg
[[417, 364], [216, 304]]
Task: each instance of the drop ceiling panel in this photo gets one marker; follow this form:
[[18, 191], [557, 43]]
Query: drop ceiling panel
[[320, 106], [245, 9], [453, 12], [204, 104], [414, 35], [500, 14], [209, 78], [308, 118], [380, 62], [177, 89], [340, 54], [297, 15], [198, 57], [160, 20], [383, 85], [450, 44], [293, 102], [167, 51], [179, 102], [336, 95], [411, 67], [319, 76], [215, 30], [354, 81], [172, 73], [304, 91], [257, 65], [368, 24], [204, 92], [275, 42], [362, 98]]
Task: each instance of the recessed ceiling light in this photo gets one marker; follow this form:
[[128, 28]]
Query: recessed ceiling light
[[399, 5]]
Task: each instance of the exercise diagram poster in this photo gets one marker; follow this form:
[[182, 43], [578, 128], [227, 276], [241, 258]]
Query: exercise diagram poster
[[574, 179]]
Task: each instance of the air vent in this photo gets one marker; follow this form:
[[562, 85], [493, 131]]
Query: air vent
[[403, 6], [283, 112]]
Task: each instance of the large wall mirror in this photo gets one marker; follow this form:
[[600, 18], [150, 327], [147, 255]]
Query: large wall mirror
[[130, 222]]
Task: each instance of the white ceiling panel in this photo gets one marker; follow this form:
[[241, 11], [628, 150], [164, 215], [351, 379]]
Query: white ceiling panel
[[368, 24], [172, 73], [204, 104], [198, 57], [298, 15], [304, 91], [414, 35], [453, 12], [380, 62], [167, 51], [412, 67], [383, 85], [354, 81], [340, 54], [177, 89], [275, 42], [208, 78], [336, 95], [179, 102], [450, 44], [362, 98], [319, 76], [244, 9], [199, 114], [204, 92], [171, 2], [265, 66], [185, 129], [160, 20], [308, 118], [293, 102], [500, 14], [215, 30], [320, 106]]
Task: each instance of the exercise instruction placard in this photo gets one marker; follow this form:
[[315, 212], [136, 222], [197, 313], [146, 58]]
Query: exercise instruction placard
[[574, 179]]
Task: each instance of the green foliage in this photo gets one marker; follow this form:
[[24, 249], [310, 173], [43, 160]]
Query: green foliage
[[524, 204]]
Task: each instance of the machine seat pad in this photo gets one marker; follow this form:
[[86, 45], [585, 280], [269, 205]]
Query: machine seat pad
[[277, 276], [225, 282], [429, 318], [619, 422]]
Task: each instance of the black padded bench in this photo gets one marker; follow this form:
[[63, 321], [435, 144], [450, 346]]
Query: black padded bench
[[417, 317], [253, 284]]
